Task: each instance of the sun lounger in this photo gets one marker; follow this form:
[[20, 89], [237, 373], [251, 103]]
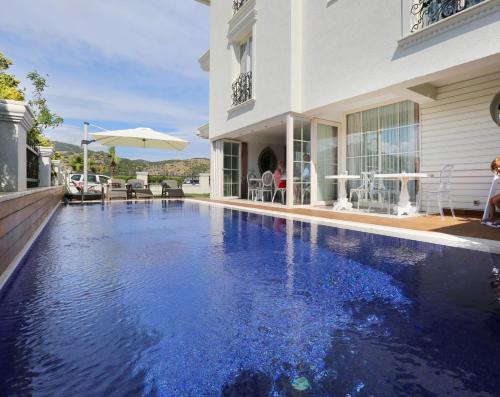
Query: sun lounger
[[169, 189], [117, 188], [138, 190]]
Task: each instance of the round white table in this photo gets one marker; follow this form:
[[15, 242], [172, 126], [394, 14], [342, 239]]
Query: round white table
[[342, 201], [404, 206]]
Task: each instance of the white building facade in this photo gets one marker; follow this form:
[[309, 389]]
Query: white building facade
[[332, 85]]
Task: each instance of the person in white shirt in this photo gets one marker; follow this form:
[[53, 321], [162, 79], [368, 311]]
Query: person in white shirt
[[494, 202]]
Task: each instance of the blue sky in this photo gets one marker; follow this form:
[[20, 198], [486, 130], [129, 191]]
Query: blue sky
[[115, 63]]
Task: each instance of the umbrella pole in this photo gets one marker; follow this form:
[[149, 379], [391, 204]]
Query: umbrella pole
[[85, 155]]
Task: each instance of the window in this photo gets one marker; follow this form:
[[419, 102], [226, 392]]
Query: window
[[245, 56], [384, 140], [242, 88], [302, 161], [327, 161], [231, 169]]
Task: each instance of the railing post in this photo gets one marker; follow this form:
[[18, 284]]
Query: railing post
[[45, 165], [16, 119], [56, 165]]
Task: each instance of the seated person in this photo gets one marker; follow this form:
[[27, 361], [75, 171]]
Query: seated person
[[306, 172], [278, 174], [494, 202]]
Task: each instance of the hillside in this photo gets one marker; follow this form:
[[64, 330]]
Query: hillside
[[99, 162]]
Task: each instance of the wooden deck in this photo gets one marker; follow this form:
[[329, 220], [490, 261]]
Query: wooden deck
[[464, 226]]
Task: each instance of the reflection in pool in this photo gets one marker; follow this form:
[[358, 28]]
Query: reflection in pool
[[181, 299]]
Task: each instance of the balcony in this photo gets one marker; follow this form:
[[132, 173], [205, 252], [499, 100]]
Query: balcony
[[237, 4], [427, 12], [242, 89]]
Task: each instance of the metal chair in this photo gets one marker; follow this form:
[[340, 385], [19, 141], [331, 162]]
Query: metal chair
[[267, 185], [378, 192], [253, 186], [363, 190], [443, 191]]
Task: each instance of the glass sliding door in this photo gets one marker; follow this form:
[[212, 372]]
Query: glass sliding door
[[301, 161], [231, 169], [385, 140], [327, 161]]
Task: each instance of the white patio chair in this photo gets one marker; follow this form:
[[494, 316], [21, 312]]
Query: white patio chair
[[363, 190], [443, 191], [267, 185], [378, 192], [280, 190]]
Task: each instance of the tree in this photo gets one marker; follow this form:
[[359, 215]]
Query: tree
[[76, 162], [44, 118], [9, 85], [114, 160]]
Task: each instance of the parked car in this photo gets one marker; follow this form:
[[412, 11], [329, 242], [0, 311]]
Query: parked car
[[74, 183], [92, 178], [191, 181]]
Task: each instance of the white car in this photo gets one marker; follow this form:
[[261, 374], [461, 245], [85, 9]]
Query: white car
[[95, 182]]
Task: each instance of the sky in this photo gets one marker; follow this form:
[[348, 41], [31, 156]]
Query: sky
[[116, 64]]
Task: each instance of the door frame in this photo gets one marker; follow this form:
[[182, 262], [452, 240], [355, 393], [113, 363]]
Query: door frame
[[314, 156], [239, 168]]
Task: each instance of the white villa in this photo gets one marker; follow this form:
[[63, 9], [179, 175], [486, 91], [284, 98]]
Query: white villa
[[336, 86]]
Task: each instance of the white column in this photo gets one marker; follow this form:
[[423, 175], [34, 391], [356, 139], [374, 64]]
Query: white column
[[289, 160], [216, 170], [45, 165], [314, 160], [142, 176], [205, 183], [56, 165], [16, 119]]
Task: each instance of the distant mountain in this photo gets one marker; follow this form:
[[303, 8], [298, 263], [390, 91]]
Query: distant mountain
[[99, 162], [67, 147]]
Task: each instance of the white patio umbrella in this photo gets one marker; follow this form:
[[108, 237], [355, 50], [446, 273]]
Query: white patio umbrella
[[140, 137], [136, 137]]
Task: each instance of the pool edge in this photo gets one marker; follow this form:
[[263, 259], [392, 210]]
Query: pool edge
[[471, 243], [14, 265]]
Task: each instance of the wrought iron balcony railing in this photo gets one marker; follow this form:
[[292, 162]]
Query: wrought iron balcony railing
[[427, 12], [242, 89], [237, 4]]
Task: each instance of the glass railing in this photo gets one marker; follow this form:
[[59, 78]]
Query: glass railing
[[426, 12]]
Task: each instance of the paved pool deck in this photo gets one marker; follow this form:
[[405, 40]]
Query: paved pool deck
[[461, 226]]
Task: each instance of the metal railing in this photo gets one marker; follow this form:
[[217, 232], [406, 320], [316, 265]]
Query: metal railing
[[32, 167], [237, 4], [31, 143], [426, 12], [242, 89]]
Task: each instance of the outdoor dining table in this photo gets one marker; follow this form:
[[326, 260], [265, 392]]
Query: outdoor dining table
[[404, 206], [342, 201]]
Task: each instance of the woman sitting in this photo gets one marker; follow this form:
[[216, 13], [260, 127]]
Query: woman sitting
[[279, 173], [494, 202]]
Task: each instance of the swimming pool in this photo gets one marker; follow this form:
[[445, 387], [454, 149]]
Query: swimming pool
[[186, 299]]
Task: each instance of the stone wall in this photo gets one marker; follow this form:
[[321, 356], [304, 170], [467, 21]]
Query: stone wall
[[21, 214]]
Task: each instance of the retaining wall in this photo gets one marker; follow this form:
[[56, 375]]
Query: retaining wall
[[21, 215]]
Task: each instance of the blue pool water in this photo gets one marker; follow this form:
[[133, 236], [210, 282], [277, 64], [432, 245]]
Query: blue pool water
[[181, 299]]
